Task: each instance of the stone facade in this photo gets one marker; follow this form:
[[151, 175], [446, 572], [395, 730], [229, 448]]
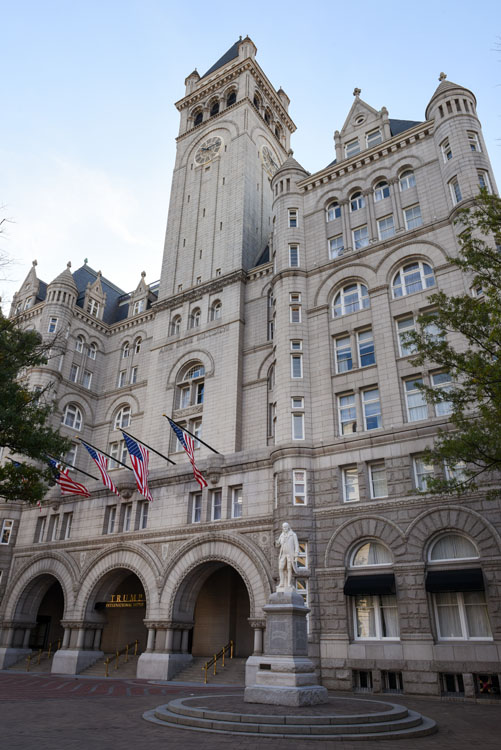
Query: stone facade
[[275, 330]]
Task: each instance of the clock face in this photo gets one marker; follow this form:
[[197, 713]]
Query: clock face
[[269, 160], [208, 150]]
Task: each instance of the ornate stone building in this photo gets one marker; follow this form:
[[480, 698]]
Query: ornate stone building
[[276, 332]]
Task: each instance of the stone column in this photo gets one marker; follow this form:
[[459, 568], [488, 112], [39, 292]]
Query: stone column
[[371, 222], [184, 640], [97, 639], [395, 203], [151, 639], [26, 639], [345, 225], [177, 640], [9, 637], [258, 627], [80, 638], [66, 638], [169, 640]]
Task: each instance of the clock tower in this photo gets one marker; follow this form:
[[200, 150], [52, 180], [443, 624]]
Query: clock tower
[[234, 133]]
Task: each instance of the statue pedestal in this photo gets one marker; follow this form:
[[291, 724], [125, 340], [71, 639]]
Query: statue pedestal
[[284, 675]]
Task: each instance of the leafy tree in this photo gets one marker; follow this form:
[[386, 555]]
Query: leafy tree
[[24, 417], [471, 445]]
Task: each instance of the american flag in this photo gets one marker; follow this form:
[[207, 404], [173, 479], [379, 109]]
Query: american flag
[[102, 465], [67, 484], [188, 444], [139, 458]]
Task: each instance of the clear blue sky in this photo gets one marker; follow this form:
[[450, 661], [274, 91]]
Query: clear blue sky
[[88, 123]]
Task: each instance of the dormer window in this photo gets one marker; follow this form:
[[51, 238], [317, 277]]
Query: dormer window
[[93, 307], [374, 138], [138, 306], [28, 303], [352, 148]]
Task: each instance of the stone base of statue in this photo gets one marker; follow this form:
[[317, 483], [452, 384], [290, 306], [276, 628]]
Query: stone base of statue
[[284, 675]]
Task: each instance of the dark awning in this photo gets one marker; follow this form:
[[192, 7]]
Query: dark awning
[[467, 579], [384, 583]]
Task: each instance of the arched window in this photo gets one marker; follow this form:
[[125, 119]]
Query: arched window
[[175, 325], [72, 417], [350, 298], [278, 131], [333, 211], [191, 386], [137, 344], [125, 350], [214, 108], [231, 98], [413, 277], [123, 417], [357, 201], [371, 553], [79, 344], [216, 310], [257, 101], [198, 118], [267, 116], [92, 351], [195, 317], [407, 180], [381, 191], [453, 547]]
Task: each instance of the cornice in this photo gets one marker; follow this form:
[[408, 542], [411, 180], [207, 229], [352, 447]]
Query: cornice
[[196, 293]]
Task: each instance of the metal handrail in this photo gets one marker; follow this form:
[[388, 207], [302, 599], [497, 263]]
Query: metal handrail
[[40, 654], [118, 653], [220, 655]]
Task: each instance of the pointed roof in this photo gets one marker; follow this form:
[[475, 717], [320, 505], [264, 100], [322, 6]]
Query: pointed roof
[[291, 163], [229, 55], [66, 277], [444, 86], [113, 312]]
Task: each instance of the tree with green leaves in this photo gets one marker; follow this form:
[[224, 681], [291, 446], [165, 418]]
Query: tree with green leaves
[[25, 417], [470, 447]]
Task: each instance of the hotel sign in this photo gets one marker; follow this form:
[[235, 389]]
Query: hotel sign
[[126, 600]]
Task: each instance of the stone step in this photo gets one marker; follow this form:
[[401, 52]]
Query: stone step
[[125, 669], [45, 665], [233, 672]]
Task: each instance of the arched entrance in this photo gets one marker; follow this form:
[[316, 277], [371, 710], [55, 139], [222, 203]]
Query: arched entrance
[[118, 603], [41, 606]]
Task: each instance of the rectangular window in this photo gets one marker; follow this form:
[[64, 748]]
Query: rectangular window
[[299, 495], [374, 138], [351, 493], [138, 306], [298, 426], [462, 615], [93, 307], [347, 414], [386, 227], [302, 558], [216, 505], [293, 256], [109, 520], [412, 216], [342, 353], [296, 365], [118, 450], [377, 480], [414, 398], [143, 514], [272, 419], [352, 148], [236, 502], [422, 472], [196, 429], [52, 325], [126, 516], [196, 507], [336, 246], [483, 181], [66, 527], [455, 472], [297, 402], [79, 344], [405, 326], [295, 313], [366, 353], [376, 617], [455, 190], [71, 456], [7, 527], [74, 373], [293, 218], [40, 529], [122, 376], [446, 150], [133, 375], [86, 379], [53, 527], [360, 237], [297, 345], [442, 381], [473, 141], [372, 409]]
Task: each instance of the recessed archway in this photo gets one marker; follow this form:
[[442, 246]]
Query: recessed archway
[[42, 603]]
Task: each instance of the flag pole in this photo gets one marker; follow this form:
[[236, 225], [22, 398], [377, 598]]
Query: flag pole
[[60, 461], [192, 435], [104, 454], [148, 446]]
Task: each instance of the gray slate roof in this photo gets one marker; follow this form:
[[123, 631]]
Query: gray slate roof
[[231, 54], [113, 312]]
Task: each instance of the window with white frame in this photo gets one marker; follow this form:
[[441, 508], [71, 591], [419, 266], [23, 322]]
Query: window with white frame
[[143, 514], [407, 180], [423, 471], [372, 409], [74, 370], [455, 190], [40, 529], [452, 547], [381, 191], [347, 412], [53, 527], [352, 148], [295, 313], [302, 558], [123, 417], [298, 423], [127, 516], [386, 227], [336, 246], [357, 201], [86, 379], [376, 617], [138, 306], [296, 365], [342, 354], [404, 327], [299, 488], [351, 491], [297, 345], [455, 472], [118, 452], [175, 325], [474, 141], [92, 351], [196, 507], [484, 182], [191, 386], [71, 457], [195, 317], [446, 150], [7, 528], [360, 237], [333, 211], [293, 219], [413, 277], [377, 480], [72, 417], [52, 325], [28, 303], [350, 298], [366, 352], [93, 307], [374, 138], [137, 345], [216, 505], [122, 378], [236, 502], [111, 514], [371, 553], [442, 382], [216, 310], [462, 615], [133, 375], [415, 400], [79, 344], [125, 350], [294, 256], [412, 217]]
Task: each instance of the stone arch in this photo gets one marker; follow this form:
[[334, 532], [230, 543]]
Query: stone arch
[[183, 579], [124, 399], [198, 355], [429, 252], [369, 527], [225, 129], [452, 518], [343, 275], [83, 404], [25, 594], [130, 557], [265, 365]]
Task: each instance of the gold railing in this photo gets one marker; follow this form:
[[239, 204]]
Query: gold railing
[[40, 655], [126, 650], [228, 649]]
